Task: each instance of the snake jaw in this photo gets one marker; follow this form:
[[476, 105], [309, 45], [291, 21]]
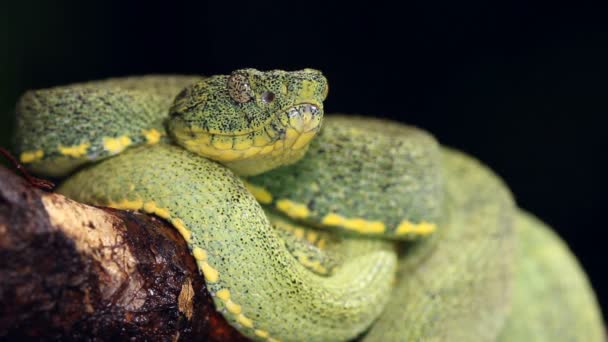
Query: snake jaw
[[282, 140], [305, 117], [286, 140], [290, 129]]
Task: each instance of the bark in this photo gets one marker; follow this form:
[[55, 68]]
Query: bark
[[70, 271]]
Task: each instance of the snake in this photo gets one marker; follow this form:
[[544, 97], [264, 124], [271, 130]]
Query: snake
[[312, 227]]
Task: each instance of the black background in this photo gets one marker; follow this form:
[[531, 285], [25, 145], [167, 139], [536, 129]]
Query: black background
[[522, 87]]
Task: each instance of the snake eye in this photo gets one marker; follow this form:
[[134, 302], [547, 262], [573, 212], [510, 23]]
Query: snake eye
[[239, 88], [267, 96]]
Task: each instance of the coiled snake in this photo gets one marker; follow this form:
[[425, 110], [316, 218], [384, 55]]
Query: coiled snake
[[309, 228]]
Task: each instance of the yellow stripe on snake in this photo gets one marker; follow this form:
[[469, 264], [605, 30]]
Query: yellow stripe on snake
[[309, 228]]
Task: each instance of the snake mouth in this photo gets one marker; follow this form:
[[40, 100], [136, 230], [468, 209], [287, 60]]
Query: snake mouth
[[305, 117], [290, 130], [295, 126]]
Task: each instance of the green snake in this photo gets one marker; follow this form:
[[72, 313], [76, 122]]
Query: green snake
[[312, 228]]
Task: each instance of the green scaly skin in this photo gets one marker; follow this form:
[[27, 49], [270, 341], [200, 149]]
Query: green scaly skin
[[83, 114], [552, 299], [318, 250], [489, 272], [273, 289], [379, 171]]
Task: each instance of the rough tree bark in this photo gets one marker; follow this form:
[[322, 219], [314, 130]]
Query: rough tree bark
[[70, 271]]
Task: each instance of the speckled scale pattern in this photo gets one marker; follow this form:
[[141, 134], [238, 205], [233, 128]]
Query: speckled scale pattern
[[274, 291], [251, 121], [458, 284], [363, 168], [461, 289], [82, 115], [318, 250], [552, 297], [209, 105]]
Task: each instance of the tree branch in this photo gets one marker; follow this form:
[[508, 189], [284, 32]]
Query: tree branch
[[72, 271]]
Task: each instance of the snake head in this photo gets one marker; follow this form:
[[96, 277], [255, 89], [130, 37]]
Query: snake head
[[251, 120]]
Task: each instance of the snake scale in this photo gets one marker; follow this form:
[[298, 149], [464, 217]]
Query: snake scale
[[312, 228]]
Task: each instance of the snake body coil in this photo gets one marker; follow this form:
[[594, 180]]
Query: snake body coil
[[294, 226]]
